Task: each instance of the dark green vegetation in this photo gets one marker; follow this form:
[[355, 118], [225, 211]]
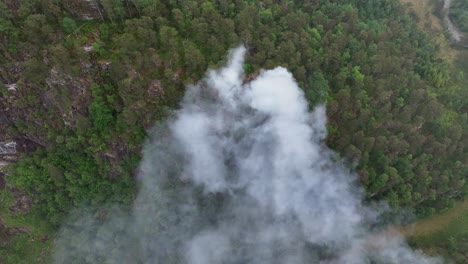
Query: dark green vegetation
[[459, 14], [87, 90], [447, 234]]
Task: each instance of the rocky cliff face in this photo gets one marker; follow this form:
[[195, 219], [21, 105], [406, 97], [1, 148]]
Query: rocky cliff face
[[7, 148], [8, 154], [7, 145]]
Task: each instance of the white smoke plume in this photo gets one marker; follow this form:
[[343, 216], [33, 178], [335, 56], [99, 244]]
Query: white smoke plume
[[240, 174]]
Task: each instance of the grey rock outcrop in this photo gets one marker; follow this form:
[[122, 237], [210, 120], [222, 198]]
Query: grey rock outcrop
[[8, 154], [7, 148]]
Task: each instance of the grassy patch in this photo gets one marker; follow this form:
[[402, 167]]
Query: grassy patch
[[25, 248], [26, 238], [444, 234], [441, 223]]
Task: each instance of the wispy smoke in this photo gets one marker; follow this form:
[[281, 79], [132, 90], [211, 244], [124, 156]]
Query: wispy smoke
[[239, 175]]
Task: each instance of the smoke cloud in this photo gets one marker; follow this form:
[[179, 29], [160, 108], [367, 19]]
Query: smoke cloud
[[240, 174]]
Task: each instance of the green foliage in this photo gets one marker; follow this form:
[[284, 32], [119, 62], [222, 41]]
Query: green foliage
[[32, 244], [24, 250], [100, 110], [101, 115], [266, 15], [100, 48], [62, 178], [68, 25]]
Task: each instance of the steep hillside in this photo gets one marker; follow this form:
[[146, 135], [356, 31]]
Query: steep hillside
[[83, 81], [445, 233]]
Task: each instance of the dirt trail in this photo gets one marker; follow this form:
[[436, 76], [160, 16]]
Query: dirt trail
[[432, 25], [456, 33]]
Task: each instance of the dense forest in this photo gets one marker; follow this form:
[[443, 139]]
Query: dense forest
[[83, 81]]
